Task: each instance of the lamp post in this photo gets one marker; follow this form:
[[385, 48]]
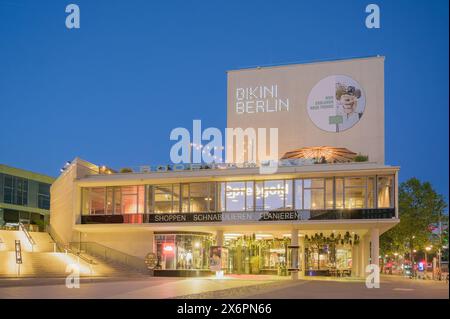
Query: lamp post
[[413, 271], [427, 249]]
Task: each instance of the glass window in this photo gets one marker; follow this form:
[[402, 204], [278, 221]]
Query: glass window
[[185, 198], [200, 197], [313, 193], [298, 194], [222, 197], [259, 196], [97, 200], [85, 201], [176, 198], [163, 198], [288, 194], [273, 195], [183, 251], [150, 198], [129, 199], [355, 197], [339, 184], [385, 191], [117, 200], [15, 190], [141, 199], [355, 182], [212, 197], [249, 196], [329, 200], [44, 196], [235, 196], [313, 183], [109, 200], [313, 198], [371, 192], [355, 192]]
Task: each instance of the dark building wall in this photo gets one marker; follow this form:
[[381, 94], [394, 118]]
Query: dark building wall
[[1, 188], [33, 188]]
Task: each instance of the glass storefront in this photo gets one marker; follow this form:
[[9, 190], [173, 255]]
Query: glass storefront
[[253, 255], [329, 255], [186, 251], [239, 196]]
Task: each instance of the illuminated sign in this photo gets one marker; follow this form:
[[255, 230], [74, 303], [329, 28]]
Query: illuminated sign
[[260, 99], [18, 249], [168, 248]]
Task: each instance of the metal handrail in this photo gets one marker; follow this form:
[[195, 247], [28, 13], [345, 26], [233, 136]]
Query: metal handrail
[[27, 234], [109, 254], [66, 247]]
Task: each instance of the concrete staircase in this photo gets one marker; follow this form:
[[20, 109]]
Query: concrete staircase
[[44, 242], [40, 260]]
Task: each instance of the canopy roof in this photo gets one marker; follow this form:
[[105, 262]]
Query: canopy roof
[[331, 154]]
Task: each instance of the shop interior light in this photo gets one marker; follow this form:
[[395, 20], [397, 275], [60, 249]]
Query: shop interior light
[[168, 248], [289, 235], [263, 236]]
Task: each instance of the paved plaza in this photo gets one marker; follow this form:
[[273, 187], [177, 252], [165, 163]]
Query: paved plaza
[[249, 287]]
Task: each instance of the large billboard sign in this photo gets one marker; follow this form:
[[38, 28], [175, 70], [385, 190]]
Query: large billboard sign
[[335, 103]]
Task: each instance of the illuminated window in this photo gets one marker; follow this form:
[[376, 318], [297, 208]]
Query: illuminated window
[[129, 199], [371, 192], [288, 193], [163, 198], [235, 196], [313, 193], [274, 195], [385, 191], [355, 192], [97, 200], [329, 193], [259, 196], [202, 197], [339, 185]]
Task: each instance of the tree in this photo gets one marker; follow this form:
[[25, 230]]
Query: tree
[[419, 207]]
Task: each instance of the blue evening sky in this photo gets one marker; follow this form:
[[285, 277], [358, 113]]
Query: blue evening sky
[[112, 91]]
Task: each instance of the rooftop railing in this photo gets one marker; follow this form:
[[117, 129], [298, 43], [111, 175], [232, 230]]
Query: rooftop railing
[[218, 166]]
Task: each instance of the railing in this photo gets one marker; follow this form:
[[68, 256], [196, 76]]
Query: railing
[[186, 167], [109, 254], [66, 247], [27, 235], [225, 217]]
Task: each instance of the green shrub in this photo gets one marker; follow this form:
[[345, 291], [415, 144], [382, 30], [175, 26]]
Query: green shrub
[[361, 158]]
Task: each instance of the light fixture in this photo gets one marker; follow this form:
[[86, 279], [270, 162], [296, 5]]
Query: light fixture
[[263, 236], [231, 236]]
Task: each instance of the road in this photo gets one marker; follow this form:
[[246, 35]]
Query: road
[[234, 288]]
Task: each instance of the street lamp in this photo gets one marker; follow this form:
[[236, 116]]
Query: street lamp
[[427, 249]]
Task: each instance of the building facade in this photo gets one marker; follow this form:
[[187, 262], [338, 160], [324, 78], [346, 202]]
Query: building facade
[[24, 196], [328, 215], [321, 211]]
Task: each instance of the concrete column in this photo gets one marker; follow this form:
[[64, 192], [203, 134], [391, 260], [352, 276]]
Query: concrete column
[[365, 254], [294, 254], [355, 270], [302, 265], [219, 238], [375, 246]]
